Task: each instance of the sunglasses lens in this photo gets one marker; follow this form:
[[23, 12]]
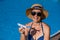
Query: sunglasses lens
[[38, 14], [33, 13]]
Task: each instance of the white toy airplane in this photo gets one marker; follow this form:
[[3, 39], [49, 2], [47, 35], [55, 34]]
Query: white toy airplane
[[21, 26]]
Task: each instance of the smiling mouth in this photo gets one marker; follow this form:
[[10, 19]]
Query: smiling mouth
[[36, 18]]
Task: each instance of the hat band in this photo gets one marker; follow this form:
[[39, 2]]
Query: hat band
[[37, 7]]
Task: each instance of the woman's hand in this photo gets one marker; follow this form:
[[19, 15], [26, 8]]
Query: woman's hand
[[24, 31]]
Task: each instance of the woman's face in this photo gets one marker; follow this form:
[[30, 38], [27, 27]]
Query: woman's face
[[36, 14]]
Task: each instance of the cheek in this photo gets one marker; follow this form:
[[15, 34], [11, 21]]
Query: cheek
[[39, 18]]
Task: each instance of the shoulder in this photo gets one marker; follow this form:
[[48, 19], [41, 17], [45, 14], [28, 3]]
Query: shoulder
[[46, 30], [28, 24], [45, 26]]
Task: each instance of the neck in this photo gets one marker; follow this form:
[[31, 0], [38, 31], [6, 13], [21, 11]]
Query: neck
[[36, 22]]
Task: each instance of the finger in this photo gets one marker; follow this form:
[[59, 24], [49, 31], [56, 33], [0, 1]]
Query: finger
[[20, 29]]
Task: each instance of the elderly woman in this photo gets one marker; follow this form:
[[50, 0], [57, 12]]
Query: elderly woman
[[38, 29]]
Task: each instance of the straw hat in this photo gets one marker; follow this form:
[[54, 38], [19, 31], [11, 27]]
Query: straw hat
[[37, 6]]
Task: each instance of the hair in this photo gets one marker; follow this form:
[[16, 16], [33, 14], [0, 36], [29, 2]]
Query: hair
[[42, 15]]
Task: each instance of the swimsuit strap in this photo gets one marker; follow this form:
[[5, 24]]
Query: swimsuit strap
[[30, 36], [42, 27], [31, 27]]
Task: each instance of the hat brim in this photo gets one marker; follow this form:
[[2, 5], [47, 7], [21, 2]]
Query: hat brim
[[28, 13]]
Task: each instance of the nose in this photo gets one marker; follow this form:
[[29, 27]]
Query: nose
[[36, 15]]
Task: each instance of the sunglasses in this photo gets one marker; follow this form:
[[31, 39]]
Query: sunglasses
[[36, 13]]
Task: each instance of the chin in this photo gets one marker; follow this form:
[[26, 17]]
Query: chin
[[36, 20]]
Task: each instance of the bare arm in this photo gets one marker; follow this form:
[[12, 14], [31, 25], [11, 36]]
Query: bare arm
[[22, 37], [46, 32]]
